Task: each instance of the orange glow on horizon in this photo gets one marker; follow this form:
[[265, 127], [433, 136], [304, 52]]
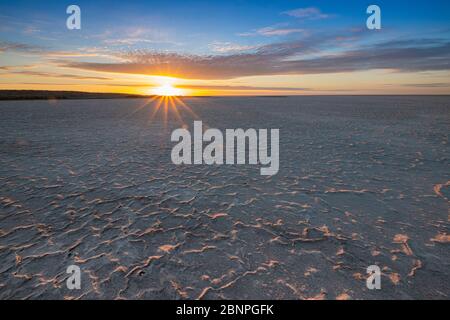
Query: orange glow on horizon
[[371, 82]]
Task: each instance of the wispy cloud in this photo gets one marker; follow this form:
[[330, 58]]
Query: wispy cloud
[[134, 35], [310, 13], [228, 47], [427, 85], [314, 54], [16, 67], [127, 41], [269, 31], [20, 47], [239, 88], [46, 52], [296, 57], [272, 31], [30, 30], [54, 75]]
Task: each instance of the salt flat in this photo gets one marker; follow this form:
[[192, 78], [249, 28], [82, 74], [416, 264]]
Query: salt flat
[[362, 181]]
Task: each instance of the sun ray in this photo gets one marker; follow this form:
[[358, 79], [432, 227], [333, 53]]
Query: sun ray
[[166, 107], [186, 107], [146, 103], [173, 107], [156, 108]]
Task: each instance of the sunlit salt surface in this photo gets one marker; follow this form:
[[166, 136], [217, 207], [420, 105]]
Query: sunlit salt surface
[[362, 181]]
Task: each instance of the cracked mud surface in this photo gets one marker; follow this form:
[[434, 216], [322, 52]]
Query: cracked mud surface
[[362, 181]]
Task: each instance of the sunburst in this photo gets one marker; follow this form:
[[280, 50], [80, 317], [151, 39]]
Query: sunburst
[[167, 90]]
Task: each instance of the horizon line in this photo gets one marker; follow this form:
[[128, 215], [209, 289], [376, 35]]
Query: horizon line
[[46, 95]]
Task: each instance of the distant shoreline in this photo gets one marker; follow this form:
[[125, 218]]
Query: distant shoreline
[[16, 95], [62, 95], [12, 95]]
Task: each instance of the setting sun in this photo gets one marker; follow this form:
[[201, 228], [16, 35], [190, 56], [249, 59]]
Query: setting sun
[[167, 90]]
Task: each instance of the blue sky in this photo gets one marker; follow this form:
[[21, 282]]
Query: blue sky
[[214, 20], [33, 32]]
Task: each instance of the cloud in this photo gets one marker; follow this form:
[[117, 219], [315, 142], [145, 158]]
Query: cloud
[[269, 31], [272, 31], [295, 57], [238, 88], [191, 66], [53, 75], [68, 54], [19, 47], [46, 52], [29, 30], [228, 47], [427, 85], [127, 41], [310, 13], [133, 35]]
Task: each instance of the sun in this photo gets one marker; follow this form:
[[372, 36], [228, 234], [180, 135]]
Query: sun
[[167, 90]]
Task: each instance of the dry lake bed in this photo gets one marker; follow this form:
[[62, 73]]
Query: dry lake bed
[[362, 181]]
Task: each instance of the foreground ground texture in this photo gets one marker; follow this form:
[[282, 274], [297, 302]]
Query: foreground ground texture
[[362, 181]]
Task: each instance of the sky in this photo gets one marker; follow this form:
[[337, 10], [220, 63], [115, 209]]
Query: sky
[[227, 47]]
